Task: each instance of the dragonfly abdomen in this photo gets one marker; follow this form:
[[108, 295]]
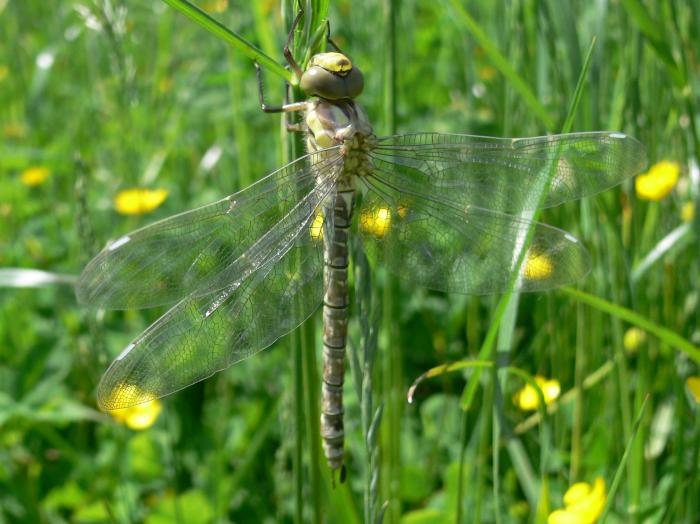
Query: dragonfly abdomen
[[335, 326]]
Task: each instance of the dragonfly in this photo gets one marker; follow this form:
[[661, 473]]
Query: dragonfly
[[447, 212]]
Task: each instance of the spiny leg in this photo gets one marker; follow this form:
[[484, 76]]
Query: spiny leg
[[284, 108]]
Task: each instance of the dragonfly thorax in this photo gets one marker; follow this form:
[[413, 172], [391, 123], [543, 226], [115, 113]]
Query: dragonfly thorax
[[333, 123], [340, 123]]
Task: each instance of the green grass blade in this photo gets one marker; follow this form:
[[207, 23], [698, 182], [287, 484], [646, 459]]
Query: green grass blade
[[24, 277], [503, 65], [652, 30], [621, 467], [251, 51], [676, 239], [391, 364], [664, 334]]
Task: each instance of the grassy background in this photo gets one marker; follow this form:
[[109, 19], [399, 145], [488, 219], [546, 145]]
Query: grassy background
[[112, 94]]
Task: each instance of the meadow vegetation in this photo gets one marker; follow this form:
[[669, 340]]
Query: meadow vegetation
[[114, 113]]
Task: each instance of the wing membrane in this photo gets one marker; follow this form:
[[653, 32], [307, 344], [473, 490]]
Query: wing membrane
[[499, 173], [472, 250], [203, 334], [198, 250]]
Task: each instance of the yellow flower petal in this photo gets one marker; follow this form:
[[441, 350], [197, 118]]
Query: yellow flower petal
[[527, 398], [551, 390], [694, 387], [633, 338], [584, 504], [316, 228], [34, 176], [585, 500], [140, 416], [376, 221], [688, 212], [576, 493], [561, 516], [4, 72], [538, 266], [139, 201], [658, 182]]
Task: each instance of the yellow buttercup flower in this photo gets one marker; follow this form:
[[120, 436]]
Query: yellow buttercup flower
[[4, 72], [137, 417], [633, 338], [34, 176], [139, 201], [140, 416], [376, 221], [688, 212], [693, 384], [584, 504], [658, 182], [316, 229], [527, 398], [215, 6], [538, 266]]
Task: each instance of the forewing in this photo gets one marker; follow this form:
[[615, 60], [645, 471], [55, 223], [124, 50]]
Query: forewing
[[203, 334], [198, 250], [471, 250], [504, 174]]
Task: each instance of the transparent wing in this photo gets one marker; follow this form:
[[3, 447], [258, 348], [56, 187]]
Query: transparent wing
[[500, 173], [200, 250], [203, 334], [438, 245]]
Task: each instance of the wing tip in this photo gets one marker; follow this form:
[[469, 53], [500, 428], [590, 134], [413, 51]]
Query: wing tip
[[120, 396], [637, 152]]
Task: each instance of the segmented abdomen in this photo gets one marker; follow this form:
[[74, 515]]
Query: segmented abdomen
[[335, 326]]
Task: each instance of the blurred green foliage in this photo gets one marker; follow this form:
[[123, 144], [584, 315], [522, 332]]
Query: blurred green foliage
[[112, 94]]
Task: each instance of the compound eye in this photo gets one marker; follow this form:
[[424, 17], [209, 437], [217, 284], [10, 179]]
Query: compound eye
[[332, 76]]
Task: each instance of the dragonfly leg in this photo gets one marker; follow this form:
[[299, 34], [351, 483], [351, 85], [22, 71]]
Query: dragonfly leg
[[329, 40], [290, 39], [284, 108]]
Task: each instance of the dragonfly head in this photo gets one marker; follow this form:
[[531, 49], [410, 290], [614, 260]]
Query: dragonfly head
[[332, 76]]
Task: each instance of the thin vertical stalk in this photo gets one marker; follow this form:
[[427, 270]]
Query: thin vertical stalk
[[579, 374], [392, 369], [311, 386], [362, 364], [298, 456], [482, 455], [290, 151], [305, 364]]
